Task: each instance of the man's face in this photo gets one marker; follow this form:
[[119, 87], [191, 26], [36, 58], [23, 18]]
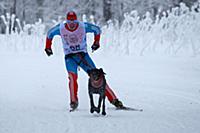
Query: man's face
[[72, 24]]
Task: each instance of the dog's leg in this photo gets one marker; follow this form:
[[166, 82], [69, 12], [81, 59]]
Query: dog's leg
[[103, 110], [91, 104], [99, 104]]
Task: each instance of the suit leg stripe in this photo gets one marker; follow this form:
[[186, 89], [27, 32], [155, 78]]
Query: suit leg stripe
[[110, 92], [71, 87]]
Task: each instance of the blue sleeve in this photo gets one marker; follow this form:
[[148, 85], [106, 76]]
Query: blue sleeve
[[92, 28], [53, 31]]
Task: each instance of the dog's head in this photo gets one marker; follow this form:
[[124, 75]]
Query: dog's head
[[96, 74]]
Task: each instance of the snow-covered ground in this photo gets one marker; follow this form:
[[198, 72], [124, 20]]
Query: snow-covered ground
[[34, 95], [153, 66]]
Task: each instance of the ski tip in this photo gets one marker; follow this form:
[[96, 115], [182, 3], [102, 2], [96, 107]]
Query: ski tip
[[72, 110], [141, 110], [129, 109]]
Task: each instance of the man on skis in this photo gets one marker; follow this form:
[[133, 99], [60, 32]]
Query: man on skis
[[73, 35]]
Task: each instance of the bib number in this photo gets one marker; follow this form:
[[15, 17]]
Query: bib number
[[75, 48]]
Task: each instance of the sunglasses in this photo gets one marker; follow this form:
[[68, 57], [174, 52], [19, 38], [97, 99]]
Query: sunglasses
[[72, 21]]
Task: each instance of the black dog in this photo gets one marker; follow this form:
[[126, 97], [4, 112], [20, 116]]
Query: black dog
[[97, 85]]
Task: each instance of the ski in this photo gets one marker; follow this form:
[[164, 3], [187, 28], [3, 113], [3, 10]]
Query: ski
[[72, 109], [129, 109]]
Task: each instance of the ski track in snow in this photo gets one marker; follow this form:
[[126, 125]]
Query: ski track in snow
[[34, 95]]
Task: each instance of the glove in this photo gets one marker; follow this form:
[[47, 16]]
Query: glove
[[49, 51], [95, 46]]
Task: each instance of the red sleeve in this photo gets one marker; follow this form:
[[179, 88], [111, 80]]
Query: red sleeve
[[48, 43], [97, 38]]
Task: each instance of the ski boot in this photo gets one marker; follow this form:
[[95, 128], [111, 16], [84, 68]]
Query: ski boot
[[118, 104], [73, 105]]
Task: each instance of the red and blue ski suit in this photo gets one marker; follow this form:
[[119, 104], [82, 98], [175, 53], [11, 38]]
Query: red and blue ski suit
[[74, 42]]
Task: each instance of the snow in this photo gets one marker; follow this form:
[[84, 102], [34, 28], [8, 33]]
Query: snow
[[149, 66], [34, 95]]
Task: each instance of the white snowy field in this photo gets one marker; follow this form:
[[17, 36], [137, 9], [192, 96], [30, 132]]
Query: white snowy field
[[153, 66], [34, 95]]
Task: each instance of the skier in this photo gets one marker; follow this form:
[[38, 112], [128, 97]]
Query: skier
[[73, 35]]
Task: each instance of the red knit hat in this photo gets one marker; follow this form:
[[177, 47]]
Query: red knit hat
[[71, 15]]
